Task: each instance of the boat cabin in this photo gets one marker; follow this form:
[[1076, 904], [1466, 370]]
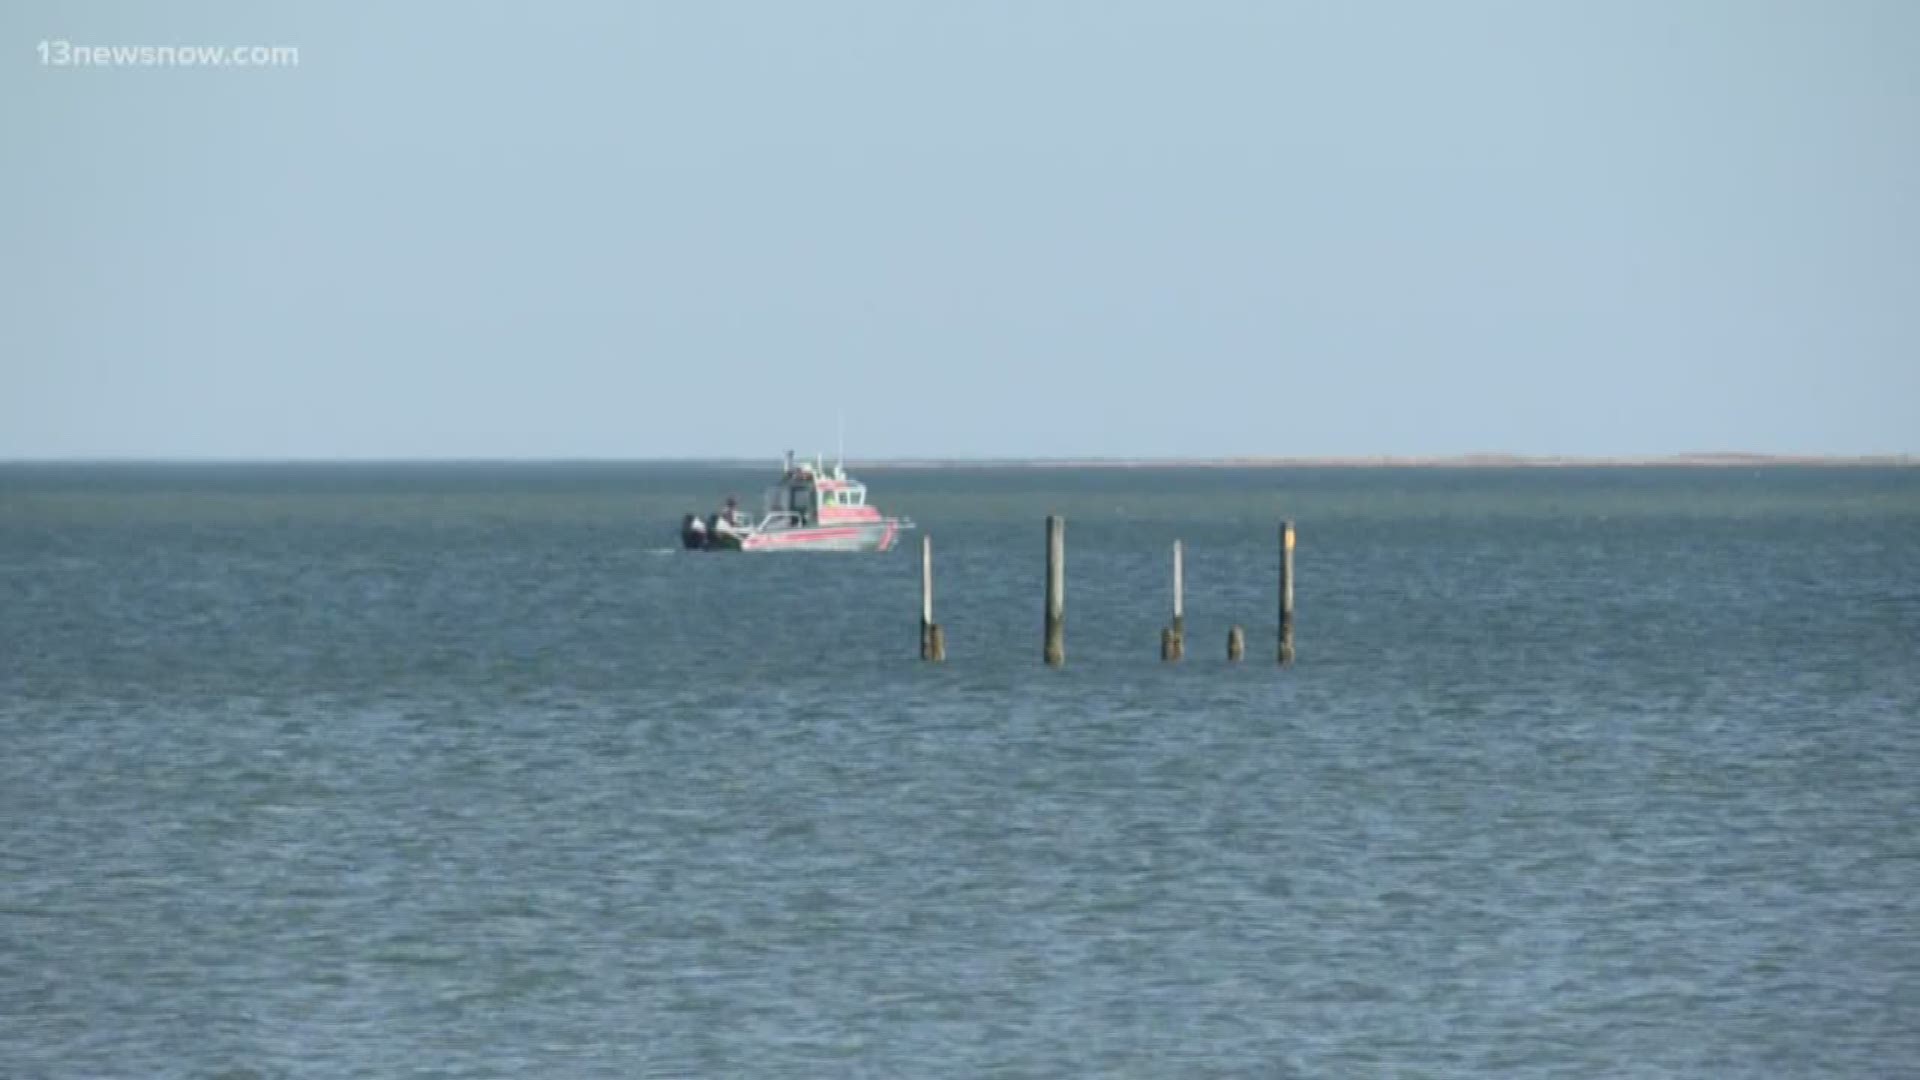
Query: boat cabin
[[809, 494]]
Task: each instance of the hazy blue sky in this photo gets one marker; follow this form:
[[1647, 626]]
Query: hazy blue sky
[[1117, 228]]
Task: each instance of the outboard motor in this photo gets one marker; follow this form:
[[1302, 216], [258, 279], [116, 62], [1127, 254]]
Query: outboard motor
[[693, 532]]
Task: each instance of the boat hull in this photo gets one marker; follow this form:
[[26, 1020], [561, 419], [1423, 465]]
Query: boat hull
[[859, 536]]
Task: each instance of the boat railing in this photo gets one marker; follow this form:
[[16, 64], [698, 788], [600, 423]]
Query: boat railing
[[781, 519]]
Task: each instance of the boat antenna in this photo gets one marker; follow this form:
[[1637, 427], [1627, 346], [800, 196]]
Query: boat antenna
[[840, 443]]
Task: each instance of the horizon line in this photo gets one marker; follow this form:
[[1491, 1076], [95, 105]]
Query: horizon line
[[1484, 459]]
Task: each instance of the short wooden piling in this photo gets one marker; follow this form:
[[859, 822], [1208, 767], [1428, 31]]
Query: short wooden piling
[[1286, 592], [1236, 644], [1055, 649], [933, 641]]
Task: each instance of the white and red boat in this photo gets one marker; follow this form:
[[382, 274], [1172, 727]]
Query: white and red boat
[[812, 508]]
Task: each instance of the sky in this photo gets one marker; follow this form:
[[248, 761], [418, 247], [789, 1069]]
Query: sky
[[634, 229]]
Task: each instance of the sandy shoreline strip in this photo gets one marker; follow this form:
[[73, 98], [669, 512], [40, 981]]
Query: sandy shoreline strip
[[1711, 459], [1704, 459]]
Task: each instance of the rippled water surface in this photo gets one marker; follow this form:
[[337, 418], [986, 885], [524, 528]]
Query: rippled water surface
[[464, 771]]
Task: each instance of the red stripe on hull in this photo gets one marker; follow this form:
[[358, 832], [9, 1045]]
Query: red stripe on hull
[[871, 537], [794, 536]]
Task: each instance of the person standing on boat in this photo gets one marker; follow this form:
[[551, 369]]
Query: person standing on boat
[[732, 513]]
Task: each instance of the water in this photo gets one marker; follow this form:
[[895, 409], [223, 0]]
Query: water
[[463, 771]]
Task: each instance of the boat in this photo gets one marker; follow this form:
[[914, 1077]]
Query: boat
[[811, 508]]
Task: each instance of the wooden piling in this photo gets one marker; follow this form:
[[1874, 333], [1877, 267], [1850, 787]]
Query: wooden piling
[[933, 642], [1173, 640], [1286, 592], [1055, 649], [1179, 600], [1236, 644]]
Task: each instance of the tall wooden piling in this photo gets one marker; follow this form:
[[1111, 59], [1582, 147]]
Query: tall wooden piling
[[1236, 644], [1173, 640], [1055, 649], [933, 642], [1286, 592]]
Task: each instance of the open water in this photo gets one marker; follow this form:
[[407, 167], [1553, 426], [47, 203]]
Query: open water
[[465, 771]]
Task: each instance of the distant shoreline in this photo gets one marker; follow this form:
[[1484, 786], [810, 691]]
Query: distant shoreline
[[1702, 459], [1457, 461]]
